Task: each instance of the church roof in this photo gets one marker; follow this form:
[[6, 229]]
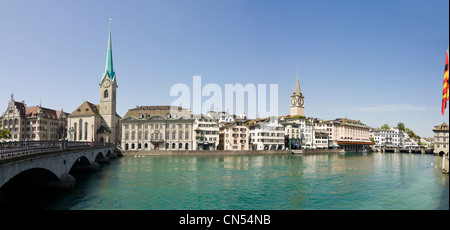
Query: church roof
[[109, 70], [103, 129], [297, 90], [86, 109], [441, 127]]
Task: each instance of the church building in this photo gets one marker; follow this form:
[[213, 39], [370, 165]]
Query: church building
[[98, 123]]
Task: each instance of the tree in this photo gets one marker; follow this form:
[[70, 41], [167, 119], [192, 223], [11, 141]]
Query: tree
[[4, 133], [401, 126], [385, 126]]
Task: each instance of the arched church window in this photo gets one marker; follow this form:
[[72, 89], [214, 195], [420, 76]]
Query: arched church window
[[105, 94]]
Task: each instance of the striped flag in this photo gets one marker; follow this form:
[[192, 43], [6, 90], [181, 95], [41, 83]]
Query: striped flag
[[445, 92]]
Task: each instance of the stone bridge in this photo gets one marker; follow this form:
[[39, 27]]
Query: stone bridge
[[22, 166]]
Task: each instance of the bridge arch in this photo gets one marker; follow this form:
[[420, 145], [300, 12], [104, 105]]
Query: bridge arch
[[32, 178], [55, 167]]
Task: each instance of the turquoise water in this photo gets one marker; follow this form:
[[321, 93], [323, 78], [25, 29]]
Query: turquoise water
[[373, 181]]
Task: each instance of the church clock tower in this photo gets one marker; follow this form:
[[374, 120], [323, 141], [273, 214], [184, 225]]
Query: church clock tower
[[108, 86], [297, 101]]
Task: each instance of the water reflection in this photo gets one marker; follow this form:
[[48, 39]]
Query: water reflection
[[325, 181]]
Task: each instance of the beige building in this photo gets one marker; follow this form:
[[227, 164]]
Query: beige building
[[441, 139], [34, 123], [234, 136], [157, 128], [351, 135], [98, 123]]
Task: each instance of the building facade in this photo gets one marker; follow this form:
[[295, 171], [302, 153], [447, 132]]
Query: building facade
[[441, 139], [206, 133], [391, 137], [98, 123], [266, 134], [34, 123], [294, 131], [234, 136], [351, 135], [157, 128]]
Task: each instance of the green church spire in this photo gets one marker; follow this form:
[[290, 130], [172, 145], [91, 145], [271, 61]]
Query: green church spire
[[109, 70]]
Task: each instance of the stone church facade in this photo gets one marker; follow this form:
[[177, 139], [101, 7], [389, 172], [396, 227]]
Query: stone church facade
[[98, 123]]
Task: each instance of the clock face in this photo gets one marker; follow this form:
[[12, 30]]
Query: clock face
[[301, 102], [294, 101]]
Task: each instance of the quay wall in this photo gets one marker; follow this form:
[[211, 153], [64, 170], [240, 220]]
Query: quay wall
[[224, 152]]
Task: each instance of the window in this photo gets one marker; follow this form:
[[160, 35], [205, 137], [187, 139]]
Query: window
[[180, 146], [81, 129], [74, 129], [173, 135], [187, 146], [85, 130], [173, 145], [105, 94], [187, 135], [133, 136], [127, 135], [180, 135]]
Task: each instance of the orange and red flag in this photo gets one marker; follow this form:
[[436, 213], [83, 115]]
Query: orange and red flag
[[445, 92]]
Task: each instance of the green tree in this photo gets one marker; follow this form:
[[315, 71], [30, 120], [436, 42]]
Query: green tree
[[385, 126], [4, 133], [401, 126]]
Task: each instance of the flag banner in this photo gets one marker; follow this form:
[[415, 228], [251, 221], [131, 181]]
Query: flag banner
[[445, 92]]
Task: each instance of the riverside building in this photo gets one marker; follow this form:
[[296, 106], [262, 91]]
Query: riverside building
[[234, 136], [351, 135], [157, 128], [34, 123], [441, 139], [206, 133], [391, 137], [266, 134]]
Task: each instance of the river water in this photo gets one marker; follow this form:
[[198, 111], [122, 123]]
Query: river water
[[350, 181]]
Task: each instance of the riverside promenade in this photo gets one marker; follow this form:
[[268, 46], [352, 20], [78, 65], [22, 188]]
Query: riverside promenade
[[224, 152]]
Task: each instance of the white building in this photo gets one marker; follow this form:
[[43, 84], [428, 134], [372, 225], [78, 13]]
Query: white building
[[266, 134], [206, 133], [308, 134], [294, 131], [392, 137], [157, 128]]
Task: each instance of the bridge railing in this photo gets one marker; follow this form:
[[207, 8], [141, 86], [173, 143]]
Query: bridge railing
[[19, 148]]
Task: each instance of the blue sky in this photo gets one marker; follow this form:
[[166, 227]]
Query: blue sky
[[374, 61]]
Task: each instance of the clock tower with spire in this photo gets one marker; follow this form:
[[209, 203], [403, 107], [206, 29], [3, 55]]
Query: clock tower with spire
[[108, 86], [297, 101]]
